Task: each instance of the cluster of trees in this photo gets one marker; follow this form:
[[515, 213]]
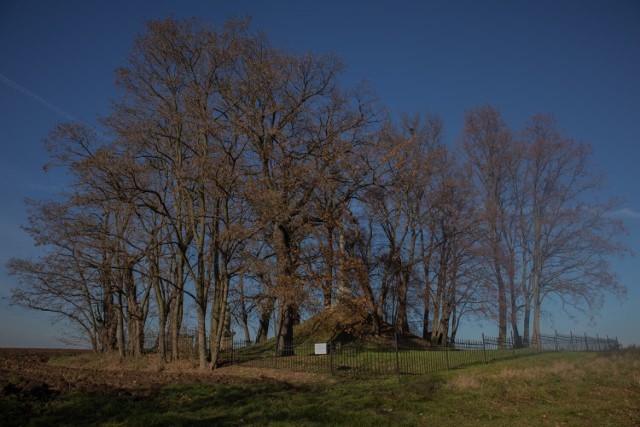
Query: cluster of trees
[[243, 182]]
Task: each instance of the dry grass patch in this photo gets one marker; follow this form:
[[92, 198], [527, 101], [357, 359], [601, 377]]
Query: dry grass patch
[[113, 362], [560, 368], [463, 382], [147, 369], [276, 375], [513, 376], [635, 379]]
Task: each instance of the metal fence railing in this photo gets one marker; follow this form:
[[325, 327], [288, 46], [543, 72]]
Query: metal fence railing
[[400, 357]]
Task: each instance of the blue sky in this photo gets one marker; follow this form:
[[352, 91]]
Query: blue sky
[[579, 60]]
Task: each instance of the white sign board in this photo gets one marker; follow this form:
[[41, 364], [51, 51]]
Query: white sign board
[[321, 348]]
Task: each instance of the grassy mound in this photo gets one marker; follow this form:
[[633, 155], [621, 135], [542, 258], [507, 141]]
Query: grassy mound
[[341, 324]]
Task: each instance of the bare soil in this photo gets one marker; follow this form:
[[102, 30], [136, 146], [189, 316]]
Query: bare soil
[[39, 374]]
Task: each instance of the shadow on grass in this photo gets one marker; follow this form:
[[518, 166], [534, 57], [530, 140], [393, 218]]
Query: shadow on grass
[[178, 405]]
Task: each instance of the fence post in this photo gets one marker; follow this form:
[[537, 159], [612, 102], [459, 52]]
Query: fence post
[[331, 350], [598, 342], [617, 344], [395, 334], [555, 339], [484, 349], [446, 351], [586, 341], [513, 344], [571, 341]]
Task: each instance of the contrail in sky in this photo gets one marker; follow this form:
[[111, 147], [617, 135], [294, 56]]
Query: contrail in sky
[[627, 213], [6, 80]]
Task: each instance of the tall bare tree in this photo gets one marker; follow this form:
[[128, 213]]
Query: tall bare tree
[[571, 235], [487, 145]]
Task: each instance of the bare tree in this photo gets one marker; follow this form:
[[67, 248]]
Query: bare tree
[[571, 235], [61, 282], [452, 278], [487, 144]]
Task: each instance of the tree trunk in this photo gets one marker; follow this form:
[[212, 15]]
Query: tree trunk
[[287, 289], [378, 313], [455, 322], [162, 338], [514, 313], [176, 309], [527, 301], [401, 320], [120, 328], [328, 271], [202, 335], [536, 315], [134, 312], [443, 331], [219, 317], [426, 333], [343, 290], [111, 321], [244, 314], [265, 309], [526, 322], [109, 325], [435, 329], [425, 318], [376, 320], [502, 303], [288, 314], [438, 302], [161, 304]]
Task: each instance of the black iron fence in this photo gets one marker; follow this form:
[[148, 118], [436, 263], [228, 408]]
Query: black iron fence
[[400, 357]]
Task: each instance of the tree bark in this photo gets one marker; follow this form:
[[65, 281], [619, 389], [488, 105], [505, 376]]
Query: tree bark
[[219, 317], [265, 309], [287, 289]]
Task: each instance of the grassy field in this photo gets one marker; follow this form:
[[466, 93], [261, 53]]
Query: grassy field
[[546, 389]]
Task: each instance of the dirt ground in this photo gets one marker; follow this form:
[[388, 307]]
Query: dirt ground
[[39, 374]]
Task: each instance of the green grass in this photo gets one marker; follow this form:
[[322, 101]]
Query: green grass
[[547, 389]]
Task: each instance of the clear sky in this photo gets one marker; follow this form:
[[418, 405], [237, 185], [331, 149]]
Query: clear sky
[[579, 60]]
